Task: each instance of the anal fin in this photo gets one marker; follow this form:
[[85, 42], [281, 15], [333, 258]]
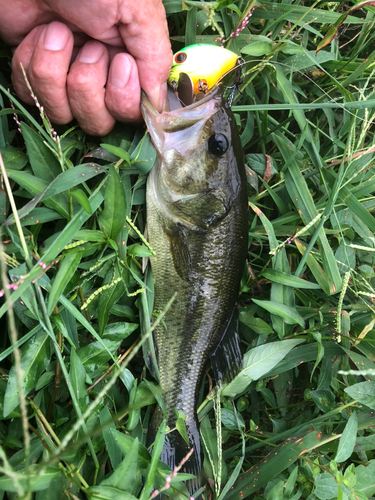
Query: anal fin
[[226, 360]]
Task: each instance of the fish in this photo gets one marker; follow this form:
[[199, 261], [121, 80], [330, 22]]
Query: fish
[[197, 69], [196, 200]]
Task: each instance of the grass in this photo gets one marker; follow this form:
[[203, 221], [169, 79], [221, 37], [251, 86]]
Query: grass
[[75, 394]]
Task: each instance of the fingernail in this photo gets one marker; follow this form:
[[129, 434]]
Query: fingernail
[[56, 37], [90, 53], [158, 96], [119, 73], [37, 32]]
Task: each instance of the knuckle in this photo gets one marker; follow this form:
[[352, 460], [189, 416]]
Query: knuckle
[[82, 80], [47, 73]]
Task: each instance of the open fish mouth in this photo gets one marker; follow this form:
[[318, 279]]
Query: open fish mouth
[[175, 115], [179, 127]]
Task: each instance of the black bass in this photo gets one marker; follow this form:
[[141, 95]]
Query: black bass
[[197, 226]]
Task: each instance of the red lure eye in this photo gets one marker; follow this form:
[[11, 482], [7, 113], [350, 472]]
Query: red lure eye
[[180, 57]]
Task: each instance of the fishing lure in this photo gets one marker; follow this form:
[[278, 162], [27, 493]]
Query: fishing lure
[[198, 68]]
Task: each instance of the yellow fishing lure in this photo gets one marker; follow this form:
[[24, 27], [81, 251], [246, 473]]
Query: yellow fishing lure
[[204, 66]]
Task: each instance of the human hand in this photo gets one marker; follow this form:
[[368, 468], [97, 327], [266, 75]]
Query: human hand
[[89, 59]]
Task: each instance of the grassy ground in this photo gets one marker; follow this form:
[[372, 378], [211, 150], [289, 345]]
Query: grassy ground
[[298, 420]]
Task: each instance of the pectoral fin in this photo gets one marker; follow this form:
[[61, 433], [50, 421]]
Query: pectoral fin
[[180, 251]]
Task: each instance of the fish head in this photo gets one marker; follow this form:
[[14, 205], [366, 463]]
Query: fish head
[[200, 172]]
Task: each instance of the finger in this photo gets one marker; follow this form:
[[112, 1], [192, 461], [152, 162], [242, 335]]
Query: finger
[[48, 70], [123, 92], [22, 55], [145, 33], [86, 89]]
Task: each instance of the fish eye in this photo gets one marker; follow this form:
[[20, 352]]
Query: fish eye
[[218, 144], [180, 57]]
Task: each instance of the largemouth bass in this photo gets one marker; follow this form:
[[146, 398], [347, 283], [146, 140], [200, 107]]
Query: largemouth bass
[[197, 226]]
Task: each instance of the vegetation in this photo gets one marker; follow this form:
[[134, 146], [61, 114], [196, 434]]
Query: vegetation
[[75, 394]]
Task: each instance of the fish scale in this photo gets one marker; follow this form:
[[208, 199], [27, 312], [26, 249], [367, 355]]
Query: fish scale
[[197, 226]]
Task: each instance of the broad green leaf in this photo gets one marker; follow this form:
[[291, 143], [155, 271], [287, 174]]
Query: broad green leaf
[[230, 420], [302, 61], [257, 48], [106, 345], [134, 412], [363, 362], [288, 279], [351, 201], [43, 162], [71, 229], [144, 155], [66, 270], [82, 199], [299, 193], [173, 6], [77, 376], [93, 355], [191, 23], [257, 362], [107, 493], [56, 487], [121, 153], [29, 480], [325, 486], [108, 425], [365, 478], [258, 163], [119, 331], [35, 357], [283, 295], [181, 425], [289, 315], [123, 477], [267, 226], [40, 215], [112, 219], [280, 458], [364, 392], [43, 191], [59, 322], [156, 453], [44, 380], [257, 324], [324, 399], [90, 235], [139, 250], [301, 14], [13, 158], [108, 298], [315, 268], [125, 443], [348, 439], [365, 443], [36, 186], [144, 396], [304, 354]]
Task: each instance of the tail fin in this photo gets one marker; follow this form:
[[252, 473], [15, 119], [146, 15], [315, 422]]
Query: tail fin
[[176, 449]]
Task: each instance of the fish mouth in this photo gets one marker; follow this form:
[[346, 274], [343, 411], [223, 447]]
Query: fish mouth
[[180, 118]]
